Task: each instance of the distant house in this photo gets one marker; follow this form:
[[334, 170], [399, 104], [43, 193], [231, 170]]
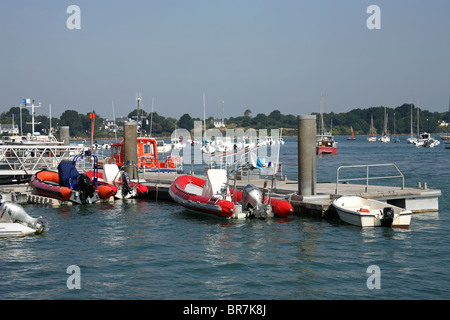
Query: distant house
[[8, 128]]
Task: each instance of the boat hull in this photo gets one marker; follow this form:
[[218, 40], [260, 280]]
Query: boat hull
[[180, 194], [46, 183], [186, 191], [15, 229], [368, 213], [326, 150]]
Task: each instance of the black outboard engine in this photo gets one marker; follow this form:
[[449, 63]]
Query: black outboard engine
[[126, 187], [387, 216], [85, 186]]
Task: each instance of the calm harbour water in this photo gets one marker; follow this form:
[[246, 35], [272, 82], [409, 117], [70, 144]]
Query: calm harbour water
[[143, 249]]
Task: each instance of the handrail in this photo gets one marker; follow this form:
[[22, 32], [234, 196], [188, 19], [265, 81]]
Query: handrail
[[367, 178]]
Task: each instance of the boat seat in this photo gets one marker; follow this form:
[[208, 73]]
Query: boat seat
[[216, 182], [193, 189], [111, 173]]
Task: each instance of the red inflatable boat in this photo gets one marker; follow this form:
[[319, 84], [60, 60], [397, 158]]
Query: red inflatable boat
[[208, 196]]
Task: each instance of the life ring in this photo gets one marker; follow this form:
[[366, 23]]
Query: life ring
[[173, 162], [148, 162]]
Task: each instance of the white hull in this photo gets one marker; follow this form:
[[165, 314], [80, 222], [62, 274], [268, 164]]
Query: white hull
[[14, 230], [372, 139], [368, 213]]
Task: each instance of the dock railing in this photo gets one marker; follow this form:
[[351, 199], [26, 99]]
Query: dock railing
[[367, 178]]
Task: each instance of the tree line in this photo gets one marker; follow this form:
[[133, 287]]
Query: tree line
[[160, 126]]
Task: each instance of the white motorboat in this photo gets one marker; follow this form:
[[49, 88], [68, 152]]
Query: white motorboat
[[15, 222], [426, 140], [364, 212]]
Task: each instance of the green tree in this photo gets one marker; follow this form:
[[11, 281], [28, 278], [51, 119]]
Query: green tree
[[186, 122]]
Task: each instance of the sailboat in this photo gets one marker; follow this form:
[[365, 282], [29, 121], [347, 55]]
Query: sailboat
[[385, 138], [371, 137], [395, 139], [447, 141], [411, 139], [325, 143], [353, 134]]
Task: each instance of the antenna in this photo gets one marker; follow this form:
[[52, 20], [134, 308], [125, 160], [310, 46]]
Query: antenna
[[223, 112], [138, 100], [27, 102]]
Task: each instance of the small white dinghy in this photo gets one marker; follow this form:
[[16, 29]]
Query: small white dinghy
[[371, 213], [15, 222]]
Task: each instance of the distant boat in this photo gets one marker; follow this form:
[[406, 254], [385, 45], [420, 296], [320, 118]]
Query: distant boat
[[325, 143], [425, 139], [371, 137], [385, 138], [411, 139], [395, 139], [353, 134], [447, 140]]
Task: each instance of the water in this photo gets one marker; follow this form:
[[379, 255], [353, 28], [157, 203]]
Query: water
[[142, 249]]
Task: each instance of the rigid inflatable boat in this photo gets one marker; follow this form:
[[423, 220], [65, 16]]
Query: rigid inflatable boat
[[120, 181], [214, 196], [69, 185]]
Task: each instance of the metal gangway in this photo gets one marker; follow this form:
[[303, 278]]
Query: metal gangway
[[28, 159]]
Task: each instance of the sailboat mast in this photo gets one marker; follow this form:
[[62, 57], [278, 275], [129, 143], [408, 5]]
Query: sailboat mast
[[321, 116], [204, 112], [151, 117]]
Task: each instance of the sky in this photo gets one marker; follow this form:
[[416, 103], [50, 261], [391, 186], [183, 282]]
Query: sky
[[261, 55]]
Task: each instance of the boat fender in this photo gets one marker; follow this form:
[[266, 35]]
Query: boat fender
[[387, 216]]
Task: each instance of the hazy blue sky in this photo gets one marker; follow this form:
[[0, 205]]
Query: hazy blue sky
[[252, 54]]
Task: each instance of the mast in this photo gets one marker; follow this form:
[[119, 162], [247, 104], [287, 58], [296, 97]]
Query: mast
[[418, 110], [114, 119], [322, 129], [411, 120], [204, 113], [151, 116]]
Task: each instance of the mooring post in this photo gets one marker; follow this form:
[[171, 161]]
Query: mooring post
[[306, 155], [130, 148], [64, 135]]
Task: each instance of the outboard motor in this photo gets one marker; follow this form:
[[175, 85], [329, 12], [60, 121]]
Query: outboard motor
[[126, 187], [387, 217], [85, 186], [252, 201], [12, 212]]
